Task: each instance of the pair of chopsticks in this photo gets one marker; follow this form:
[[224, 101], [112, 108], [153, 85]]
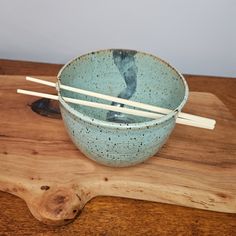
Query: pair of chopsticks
[[183, 118]]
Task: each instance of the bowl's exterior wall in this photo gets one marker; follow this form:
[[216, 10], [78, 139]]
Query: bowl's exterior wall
[[117, 147]]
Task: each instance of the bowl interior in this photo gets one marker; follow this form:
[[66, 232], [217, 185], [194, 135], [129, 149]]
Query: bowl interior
[[123, 73]]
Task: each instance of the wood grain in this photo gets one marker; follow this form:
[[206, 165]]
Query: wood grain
[[27, 148], [223, 87], [119, 216], [13, 67]]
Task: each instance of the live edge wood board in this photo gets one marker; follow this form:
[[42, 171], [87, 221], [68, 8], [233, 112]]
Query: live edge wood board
[[38, 162]]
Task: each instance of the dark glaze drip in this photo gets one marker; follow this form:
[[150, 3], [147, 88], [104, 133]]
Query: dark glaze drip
[[125, 62]]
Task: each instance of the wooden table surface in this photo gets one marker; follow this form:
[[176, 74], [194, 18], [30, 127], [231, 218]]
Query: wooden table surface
[[117, 216]]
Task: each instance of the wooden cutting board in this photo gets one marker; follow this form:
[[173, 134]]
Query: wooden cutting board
[[39, 163]]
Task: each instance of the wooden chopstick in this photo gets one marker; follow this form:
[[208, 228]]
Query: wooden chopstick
[[114, 108], [161, 110]]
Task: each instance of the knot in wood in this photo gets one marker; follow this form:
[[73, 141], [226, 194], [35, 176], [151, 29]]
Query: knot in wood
[[59, 206]]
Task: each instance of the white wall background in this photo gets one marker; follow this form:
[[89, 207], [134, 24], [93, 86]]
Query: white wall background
[[196, 36]]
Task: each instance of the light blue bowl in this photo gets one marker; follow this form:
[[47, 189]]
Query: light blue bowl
[[112, 138]]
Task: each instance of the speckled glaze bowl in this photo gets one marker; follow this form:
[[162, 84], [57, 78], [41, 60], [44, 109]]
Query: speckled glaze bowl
[[116, 139]]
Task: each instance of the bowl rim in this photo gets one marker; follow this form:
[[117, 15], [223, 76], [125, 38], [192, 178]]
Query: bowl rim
[[138, 125]]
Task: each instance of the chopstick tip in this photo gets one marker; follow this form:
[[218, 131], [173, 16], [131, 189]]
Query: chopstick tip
[[28, 77]]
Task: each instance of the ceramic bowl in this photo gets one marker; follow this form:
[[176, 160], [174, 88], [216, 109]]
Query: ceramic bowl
[[116, 139]]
